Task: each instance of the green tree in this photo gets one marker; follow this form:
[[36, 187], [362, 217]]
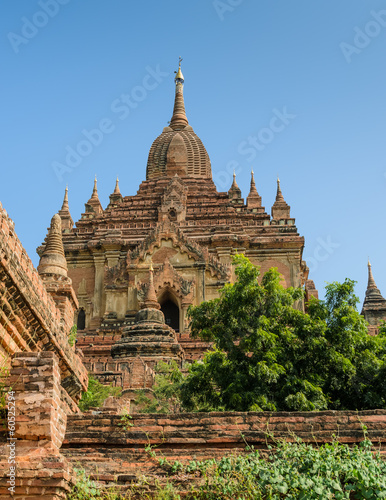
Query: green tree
[[269, 355], [165, 396], [97, 393]]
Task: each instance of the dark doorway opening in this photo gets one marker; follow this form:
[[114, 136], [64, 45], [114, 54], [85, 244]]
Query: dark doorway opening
[[172, 314], [81, 323]]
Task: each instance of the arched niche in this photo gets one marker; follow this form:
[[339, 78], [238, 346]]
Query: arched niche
[[81, 319], [170, 308]]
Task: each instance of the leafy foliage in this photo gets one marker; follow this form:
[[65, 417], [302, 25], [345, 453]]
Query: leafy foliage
[[126, 420], [96, 394], [299, 471], [4, 388], [269, 355], [86, 489], [294, 471], [166, 390], [72, 335]]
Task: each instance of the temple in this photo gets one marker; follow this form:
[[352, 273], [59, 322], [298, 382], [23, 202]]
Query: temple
[[188, 231], [126, 276]]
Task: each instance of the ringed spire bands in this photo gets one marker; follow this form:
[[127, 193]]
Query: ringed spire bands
[[179, 120], [178, 150]]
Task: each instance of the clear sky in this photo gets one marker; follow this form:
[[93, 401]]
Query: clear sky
[[68, 66]]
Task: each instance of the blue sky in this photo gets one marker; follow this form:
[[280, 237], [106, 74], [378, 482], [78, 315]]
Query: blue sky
[[67, 65]]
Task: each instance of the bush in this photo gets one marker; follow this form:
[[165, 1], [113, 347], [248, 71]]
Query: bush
[[97, 393], [296, 471]]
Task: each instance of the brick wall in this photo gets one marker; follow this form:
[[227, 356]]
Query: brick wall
[[41, 418], [30, 319], [98, 442]]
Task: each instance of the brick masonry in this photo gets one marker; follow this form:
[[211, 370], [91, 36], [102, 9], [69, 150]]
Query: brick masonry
[[46, 373], [41, 420], [111, 454], [30, 318]]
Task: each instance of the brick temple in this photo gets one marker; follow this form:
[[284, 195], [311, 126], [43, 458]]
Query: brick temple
[[180, 230], [126, 275], [173, 241]]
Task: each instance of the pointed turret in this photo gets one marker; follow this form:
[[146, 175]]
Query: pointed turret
[[374, 305], [234, 192], [150, 301], [116, 197], [53, 260], [94, 195], [65, 201], [64, 212], [179, 120], [94, 205], [116, 189], [253, 199], [280, 209], [371, 281]]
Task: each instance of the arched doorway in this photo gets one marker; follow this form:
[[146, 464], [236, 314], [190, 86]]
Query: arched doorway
[[81, 322], [171, 311]]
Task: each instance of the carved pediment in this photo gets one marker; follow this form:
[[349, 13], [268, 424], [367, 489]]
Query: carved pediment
[[173, 201], [177, 241], [166, 231]]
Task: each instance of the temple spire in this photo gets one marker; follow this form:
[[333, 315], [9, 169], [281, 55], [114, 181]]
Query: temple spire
[[234, 182], [279, 194], [253, 184], [53, 260], [234, 192], [116, 190], [93, 204], [280, 209], [374, 305], [179, 120], [371, 281], [65, 200], [150, 301], [116, 196], [65, 215], [95, 189], [253, 199]]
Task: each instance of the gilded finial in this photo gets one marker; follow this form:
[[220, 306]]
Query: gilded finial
[[179, 78]]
